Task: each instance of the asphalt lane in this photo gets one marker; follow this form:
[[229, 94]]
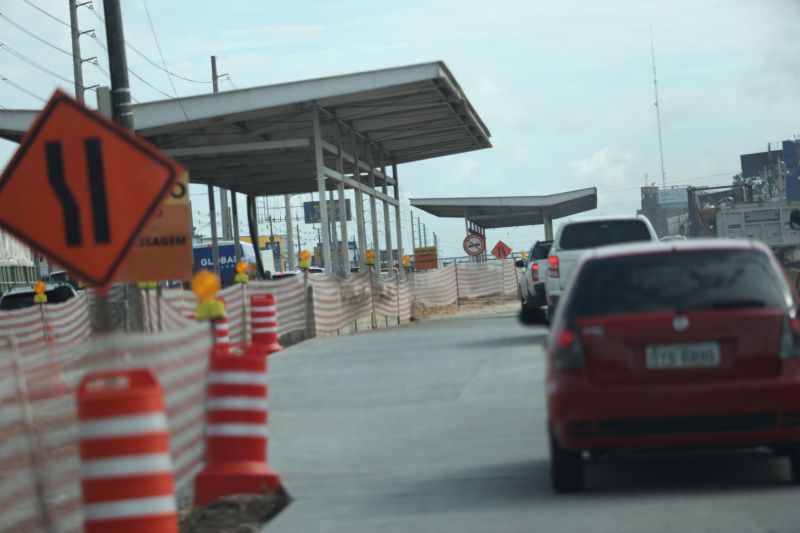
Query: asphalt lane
[[440, 427]]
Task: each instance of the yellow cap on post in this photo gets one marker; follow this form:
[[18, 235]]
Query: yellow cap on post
[[305, 260], [241, 272], [406, 261], [40, 297], [370, 260], [206, 285]]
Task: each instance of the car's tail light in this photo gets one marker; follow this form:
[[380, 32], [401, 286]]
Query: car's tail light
[[568, 351], [553, 270], [790, 337], [535, 271]]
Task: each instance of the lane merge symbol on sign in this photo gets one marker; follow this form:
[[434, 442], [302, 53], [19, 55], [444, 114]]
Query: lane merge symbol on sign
[[474, 244], [81, 188], [501, 250]]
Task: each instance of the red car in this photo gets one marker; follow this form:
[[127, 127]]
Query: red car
[[679, 345]]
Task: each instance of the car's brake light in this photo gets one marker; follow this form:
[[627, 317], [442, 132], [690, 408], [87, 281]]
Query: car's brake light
[[535, 272], [790, 337], [553, 270], [568, 351]]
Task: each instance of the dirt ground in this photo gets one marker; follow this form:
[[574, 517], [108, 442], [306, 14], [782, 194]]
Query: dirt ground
[[243, 513]]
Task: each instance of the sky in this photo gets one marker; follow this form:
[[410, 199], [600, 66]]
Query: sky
[[565, 88]]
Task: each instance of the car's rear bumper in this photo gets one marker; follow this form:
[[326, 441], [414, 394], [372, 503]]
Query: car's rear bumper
[[536, 298], [749, 412]]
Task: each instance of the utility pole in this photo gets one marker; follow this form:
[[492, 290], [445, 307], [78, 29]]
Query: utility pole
[[77, 69], [419, 232], [425, 233], [223, 195], [658, 111], [436, 245], [212, 211], [122, 113]]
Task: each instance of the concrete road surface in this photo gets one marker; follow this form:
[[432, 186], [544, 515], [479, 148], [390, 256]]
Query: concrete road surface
[[440, 427]]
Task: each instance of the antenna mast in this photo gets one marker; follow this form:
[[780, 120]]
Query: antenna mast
[[658, 111]]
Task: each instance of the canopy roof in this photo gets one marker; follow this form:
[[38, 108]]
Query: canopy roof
[[260, 140], [508, 211]]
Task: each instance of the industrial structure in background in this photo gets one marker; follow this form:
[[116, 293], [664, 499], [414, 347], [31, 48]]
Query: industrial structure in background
[[755, 205]]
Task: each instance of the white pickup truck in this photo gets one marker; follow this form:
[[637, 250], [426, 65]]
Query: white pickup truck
[[575, 237]]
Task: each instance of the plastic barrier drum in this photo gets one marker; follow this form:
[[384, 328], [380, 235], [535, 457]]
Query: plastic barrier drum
[[236, 430], [126, 468], [263, 313]]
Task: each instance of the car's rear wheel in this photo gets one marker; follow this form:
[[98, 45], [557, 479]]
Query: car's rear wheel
[[566, 469], [794, 463]]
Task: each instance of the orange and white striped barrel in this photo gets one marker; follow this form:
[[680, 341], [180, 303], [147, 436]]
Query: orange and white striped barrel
[[236, 430], [222, 335], [126, 469], [263, 317]]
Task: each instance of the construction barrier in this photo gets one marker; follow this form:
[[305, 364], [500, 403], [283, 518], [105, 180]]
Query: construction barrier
[[40, 467], [40, 325], [236, 429], [127, 481], [445, 286]]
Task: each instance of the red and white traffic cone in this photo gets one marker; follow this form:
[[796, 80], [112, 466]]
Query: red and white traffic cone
[[263, 316], [50, 335], [236, 431], [126, 468]]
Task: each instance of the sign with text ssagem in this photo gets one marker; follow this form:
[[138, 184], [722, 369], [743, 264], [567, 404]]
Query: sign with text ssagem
[[81, 188]]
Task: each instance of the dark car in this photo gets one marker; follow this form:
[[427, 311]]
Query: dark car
[[673, 346], [23, 297]]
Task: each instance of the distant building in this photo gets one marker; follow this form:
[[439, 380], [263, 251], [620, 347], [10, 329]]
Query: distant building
[[660, 205], [17, 266]]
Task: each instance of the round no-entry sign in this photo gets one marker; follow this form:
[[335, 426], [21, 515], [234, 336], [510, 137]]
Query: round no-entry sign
[[474, 244]]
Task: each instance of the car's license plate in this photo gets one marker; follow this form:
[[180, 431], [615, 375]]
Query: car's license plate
[[687, 355]]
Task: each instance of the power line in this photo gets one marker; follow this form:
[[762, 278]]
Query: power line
[[21, 88], [36, 65], [673, 182], [41, 40], [143, 56], [97, 40], [37, 8], [134, 74], [160, 53]]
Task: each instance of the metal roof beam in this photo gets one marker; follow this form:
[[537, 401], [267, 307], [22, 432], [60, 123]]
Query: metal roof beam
[[263, 146], [333, 149], [353, 184]]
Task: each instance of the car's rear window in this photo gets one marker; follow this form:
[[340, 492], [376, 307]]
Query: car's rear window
[[541, 250], [582, 235], [682, 281]]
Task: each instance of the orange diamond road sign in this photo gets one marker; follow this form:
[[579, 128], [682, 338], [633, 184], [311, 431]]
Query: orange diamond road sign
[[81, 188], [501, 250]]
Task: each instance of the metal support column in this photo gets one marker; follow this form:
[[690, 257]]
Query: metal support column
[[345, 262], [235, 223], [413, 238], [290, 259], [387, 222], [212, 212], [323, 212], [335, 261], [360, 228], [373, 208], [397, 219], [548, 224]]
